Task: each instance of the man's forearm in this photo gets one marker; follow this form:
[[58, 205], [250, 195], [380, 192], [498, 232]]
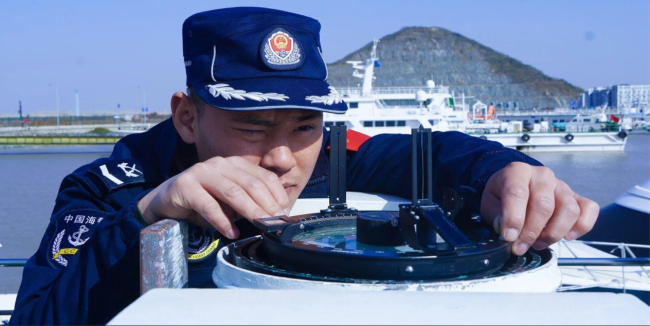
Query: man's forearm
[[383, 164]]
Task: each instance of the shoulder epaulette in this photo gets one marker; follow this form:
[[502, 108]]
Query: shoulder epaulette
[[119, 173]]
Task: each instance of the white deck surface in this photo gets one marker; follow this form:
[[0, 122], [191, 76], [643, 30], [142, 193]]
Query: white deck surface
[[218, 306], [7, 302], [611, 277]]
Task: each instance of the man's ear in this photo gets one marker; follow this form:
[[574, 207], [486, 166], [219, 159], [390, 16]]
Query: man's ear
[[185, 117]]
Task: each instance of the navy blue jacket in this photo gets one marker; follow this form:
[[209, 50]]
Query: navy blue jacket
[[86, 269]]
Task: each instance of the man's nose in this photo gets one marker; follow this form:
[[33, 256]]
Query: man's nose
[[279, 159]]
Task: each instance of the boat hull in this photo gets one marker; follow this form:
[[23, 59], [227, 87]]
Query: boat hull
[[558, 142]]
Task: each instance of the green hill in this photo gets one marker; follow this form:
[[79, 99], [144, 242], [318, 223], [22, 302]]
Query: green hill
[[414, 55]]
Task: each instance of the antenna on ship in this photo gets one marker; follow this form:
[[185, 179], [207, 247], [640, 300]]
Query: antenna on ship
[[373, 54], [368, 69]]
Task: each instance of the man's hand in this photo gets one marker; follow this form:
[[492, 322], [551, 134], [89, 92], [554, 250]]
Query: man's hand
[[530, 206], [215, 192]]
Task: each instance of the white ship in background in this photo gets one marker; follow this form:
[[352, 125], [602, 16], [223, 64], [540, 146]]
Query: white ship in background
[[380, 110]]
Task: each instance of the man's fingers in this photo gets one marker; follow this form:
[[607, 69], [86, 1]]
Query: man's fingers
[[565, 216], [233, 195], [270, 179], [541, 206], [513, 192], [491, 210], [258, 191], [588, 214], [206, 206], [254, 188], [530, 206]]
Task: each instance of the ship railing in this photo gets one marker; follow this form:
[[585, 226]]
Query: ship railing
[[584, 112], [386, 111], [10, 262], [624, 250], [13, 262], [557, 111], [357, 91], [421, 109]]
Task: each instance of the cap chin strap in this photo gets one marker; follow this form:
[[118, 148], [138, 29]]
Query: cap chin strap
[[214, 56], [327, 72]]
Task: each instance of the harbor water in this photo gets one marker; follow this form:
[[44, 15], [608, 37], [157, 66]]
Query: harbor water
[[30, 178]]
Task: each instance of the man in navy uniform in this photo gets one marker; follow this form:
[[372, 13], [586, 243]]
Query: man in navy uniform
[[245, 143]]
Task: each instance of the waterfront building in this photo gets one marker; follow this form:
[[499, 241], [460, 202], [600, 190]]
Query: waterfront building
[[617, 97], [629, 96]]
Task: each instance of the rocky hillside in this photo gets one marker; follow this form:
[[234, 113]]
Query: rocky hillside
[[414, 55]]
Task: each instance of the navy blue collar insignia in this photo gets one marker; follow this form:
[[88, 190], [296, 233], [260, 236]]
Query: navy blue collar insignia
[[280, 50]]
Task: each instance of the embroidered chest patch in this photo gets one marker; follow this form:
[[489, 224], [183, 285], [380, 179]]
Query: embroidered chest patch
[[201, 243], [73, 230], [281, 50]]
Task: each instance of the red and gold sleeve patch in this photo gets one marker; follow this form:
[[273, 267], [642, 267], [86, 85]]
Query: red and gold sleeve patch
[[354, 140]]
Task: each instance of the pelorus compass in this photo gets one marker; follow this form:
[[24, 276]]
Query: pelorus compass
[[421, 243]]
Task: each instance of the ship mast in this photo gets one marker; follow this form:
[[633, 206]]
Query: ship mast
[[368, 69]]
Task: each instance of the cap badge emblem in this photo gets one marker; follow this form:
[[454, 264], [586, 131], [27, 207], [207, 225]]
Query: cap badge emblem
[[281, 50]]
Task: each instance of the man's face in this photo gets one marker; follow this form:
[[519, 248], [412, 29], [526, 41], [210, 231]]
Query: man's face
[[286, 142]]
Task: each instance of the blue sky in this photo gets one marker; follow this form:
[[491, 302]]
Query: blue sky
[[106, 50]]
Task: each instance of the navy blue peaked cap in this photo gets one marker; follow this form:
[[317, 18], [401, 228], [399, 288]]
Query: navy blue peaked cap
[[256, 59]]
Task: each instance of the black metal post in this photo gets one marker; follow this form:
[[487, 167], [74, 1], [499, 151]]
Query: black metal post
[[429, 165], [338, 168], [414, 166]]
